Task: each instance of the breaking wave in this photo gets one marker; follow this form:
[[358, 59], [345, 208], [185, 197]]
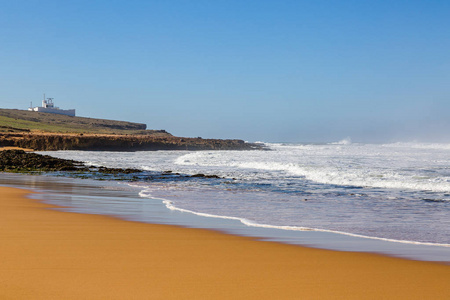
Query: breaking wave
[[170, 205]]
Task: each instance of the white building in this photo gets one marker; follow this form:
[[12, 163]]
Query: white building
[[49, 107]]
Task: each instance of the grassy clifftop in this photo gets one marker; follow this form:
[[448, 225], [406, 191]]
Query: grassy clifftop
[[14, 120], [47, 132]]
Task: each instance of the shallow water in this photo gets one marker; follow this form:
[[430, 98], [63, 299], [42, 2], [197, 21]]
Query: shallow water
[[398, 192]]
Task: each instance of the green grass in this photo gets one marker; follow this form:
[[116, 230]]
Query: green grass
[[13, 120], [37, 126]]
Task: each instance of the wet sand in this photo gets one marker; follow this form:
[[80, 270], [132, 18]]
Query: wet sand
[[49, 254]]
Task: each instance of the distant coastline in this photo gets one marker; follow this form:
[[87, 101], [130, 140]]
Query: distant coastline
[[48, 132]]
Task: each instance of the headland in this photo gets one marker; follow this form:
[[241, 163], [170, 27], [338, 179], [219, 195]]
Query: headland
[[46, 132]]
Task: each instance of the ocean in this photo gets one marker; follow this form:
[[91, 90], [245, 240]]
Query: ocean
[[396, 192]]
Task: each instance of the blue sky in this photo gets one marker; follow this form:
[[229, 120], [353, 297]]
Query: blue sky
[[292, 71]]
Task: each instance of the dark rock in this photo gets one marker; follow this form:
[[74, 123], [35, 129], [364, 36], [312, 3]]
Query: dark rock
[[205, 176], [20, 161]]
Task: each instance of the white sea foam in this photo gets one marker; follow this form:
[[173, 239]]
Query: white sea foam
[[397, 192], [346, 141], [415, 145], [171, 206], [330, 165]]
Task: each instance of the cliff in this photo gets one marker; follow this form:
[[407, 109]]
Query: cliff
[[55, 141], [47, 132]]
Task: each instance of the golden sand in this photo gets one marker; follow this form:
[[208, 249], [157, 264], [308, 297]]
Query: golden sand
[[48, 254]]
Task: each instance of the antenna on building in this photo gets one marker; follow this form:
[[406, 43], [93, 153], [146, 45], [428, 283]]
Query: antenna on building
[[49, 107]]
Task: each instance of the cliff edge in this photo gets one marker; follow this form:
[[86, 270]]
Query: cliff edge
[[47, 132]]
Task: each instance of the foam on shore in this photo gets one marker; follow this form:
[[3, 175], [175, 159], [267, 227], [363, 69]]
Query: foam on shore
[[170, 205]]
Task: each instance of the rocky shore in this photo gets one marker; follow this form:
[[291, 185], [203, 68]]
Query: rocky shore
[[116, 142], [26, 162], [19, 161]]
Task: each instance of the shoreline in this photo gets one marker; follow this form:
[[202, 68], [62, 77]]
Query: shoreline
[[169, 205], [125, 201], [316, 237], [51, 254]]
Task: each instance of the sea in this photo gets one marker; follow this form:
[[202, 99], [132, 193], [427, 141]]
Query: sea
[[390, 198]]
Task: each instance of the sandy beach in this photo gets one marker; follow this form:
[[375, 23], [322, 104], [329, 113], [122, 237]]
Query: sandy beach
[[49, 254]]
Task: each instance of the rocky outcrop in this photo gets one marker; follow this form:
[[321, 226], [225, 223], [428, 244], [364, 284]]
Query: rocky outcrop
[[21, 161], [54, 141], [26, 162]]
